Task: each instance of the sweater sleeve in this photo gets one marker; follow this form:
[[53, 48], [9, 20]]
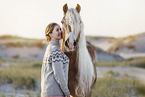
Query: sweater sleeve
[[57, 66]]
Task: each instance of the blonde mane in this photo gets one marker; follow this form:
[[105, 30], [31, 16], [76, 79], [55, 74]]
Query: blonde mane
[[85, 66]]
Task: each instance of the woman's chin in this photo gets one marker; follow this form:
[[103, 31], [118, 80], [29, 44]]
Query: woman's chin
[[59, 37]]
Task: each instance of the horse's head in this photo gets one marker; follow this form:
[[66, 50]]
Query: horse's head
[[72, 27]]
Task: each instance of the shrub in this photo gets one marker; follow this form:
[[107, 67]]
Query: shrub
[[16, 56]]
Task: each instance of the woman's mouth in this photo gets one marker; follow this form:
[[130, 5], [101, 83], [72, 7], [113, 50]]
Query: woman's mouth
[[59, 34]]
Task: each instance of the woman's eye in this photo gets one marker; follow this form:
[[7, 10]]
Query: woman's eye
[[57, 29]]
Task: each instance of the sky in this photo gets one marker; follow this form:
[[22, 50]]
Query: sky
[[29, 18]]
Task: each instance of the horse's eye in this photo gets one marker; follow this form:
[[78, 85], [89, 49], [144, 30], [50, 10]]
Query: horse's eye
[[63, 30], [62, 21]]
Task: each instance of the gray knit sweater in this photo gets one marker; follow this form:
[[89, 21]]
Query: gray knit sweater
[[54, 73]]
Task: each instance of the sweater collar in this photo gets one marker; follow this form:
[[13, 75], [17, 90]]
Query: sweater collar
[[55, 43]]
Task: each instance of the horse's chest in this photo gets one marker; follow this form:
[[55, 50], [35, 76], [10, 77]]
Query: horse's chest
[[73, 63]]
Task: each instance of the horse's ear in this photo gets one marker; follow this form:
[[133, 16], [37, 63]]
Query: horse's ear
[[78, 8], [65, 8]]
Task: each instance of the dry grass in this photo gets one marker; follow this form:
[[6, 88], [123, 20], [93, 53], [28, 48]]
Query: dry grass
[[119, 43], [25, 43], [109, 86], [138, 62], [106, 63], [24, 75], [15, 41]]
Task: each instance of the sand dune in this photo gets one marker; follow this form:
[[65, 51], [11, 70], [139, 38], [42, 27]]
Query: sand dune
[[30, 49], [127, 47]]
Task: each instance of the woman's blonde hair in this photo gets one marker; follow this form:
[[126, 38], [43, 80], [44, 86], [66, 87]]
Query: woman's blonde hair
[[49, 30]]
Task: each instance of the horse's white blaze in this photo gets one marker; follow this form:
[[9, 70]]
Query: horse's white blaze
[[71, 37], [86, 73]]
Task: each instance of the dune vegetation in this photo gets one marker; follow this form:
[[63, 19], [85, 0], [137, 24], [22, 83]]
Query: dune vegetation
[[137, 62], [109, 86], [26, 75], [22, 75]]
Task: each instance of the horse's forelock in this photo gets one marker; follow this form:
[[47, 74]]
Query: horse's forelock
[[74, 20]]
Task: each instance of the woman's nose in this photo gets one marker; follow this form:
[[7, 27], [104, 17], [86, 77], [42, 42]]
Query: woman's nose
[[59, 31]]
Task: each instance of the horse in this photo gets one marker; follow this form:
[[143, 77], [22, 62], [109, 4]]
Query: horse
[[82, 73]]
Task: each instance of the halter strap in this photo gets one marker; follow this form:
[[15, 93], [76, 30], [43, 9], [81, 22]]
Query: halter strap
[[68, 27], [77, 40]]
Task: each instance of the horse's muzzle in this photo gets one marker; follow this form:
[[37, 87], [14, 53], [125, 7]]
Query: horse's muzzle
[[71, 45]]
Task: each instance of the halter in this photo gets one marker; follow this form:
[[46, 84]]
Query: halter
[[63, 40], [77, 40]]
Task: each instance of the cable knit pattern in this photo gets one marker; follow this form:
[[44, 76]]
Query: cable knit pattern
[[54, 73]]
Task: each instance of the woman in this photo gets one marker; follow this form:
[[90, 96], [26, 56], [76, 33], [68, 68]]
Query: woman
[[54, 73]]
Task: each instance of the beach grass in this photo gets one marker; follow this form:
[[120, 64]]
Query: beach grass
[[106, 63], [23, 75], [109, 86], [26, 74], [16, 41], [137, 62]]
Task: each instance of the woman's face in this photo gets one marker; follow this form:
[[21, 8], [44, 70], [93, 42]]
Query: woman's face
[[56, 33]]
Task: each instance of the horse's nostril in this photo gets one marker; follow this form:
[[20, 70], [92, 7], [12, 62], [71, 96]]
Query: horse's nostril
[[66, 43], [75, 43]]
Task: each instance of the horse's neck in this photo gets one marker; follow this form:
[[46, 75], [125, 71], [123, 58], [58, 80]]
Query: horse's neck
[[73, 55], [82, 41], [73, 64]]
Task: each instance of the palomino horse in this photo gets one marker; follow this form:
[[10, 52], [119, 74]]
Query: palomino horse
[[82, 70]]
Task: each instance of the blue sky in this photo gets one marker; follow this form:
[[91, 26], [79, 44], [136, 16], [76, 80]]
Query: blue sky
[[29, 18]]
